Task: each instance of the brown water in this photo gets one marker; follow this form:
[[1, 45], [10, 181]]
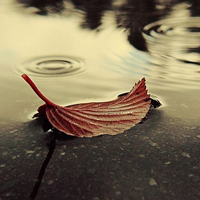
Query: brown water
[[88, 52]]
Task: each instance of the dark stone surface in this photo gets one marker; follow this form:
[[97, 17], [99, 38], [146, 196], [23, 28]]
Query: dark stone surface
[[154, 160]]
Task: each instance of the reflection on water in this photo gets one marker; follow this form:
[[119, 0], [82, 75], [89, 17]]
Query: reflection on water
[[99, 49], [92, 49], [173, 43]]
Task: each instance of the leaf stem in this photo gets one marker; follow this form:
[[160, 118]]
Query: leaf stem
[[36, 90]]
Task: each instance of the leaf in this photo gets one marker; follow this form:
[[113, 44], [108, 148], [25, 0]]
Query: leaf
[[93, 119]]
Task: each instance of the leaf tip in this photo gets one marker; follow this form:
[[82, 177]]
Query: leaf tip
[[144, 79]]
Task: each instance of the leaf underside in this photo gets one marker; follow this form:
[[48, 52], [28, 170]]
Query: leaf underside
[[93, 119]]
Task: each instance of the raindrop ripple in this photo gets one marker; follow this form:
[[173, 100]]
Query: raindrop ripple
[[53, 66]]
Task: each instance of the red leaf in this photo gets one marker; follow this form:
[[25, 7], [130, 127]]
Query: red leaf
[[92, 119]]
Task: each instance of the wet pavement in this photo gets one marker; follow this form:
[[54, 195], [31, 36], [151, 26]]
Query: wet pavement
[[82, 52]]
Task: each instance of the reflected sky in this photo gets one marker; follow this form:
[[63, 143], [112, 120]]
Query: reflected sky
[[105, 47], [169, 43]]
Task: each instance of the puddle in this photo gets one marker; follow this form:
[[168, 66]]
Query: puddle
[[74, 61]]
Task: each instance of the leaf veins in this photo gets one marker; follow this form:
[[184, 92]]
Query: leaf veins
[[93, 119]]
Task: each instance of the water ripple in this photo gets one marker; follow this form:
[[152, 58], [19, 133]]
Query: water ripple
[[173, 44], [52, 66]]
